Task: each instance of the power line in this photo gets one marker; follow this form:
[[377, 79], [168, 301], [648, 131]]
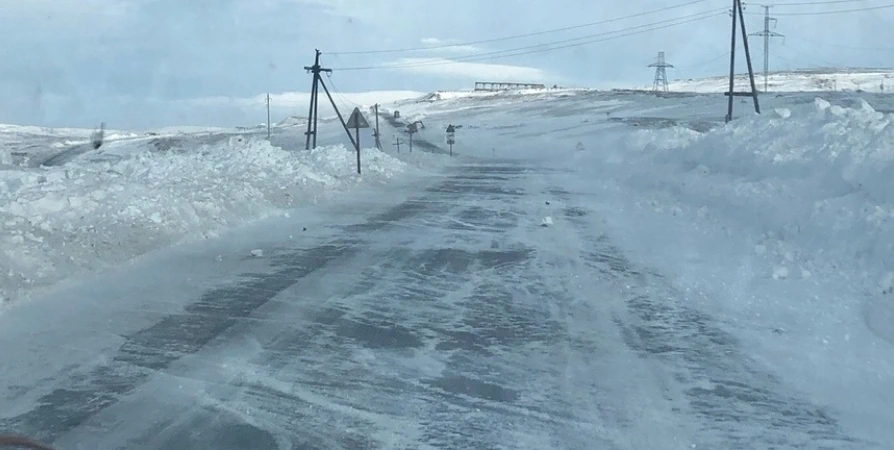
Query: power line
[[518, 36], [545, 47], [810, 55], [839, 11], [540, 47], [808, 62], [811, 41], [703, 62], [828, 2], [338, 94], [799, 61]]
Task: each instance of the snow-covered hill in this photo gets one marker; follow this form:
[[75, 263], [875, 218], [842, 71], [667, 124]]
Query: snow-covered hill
[[814, 80]]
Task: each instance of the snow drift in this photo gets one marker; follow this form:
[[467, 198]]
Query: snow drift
[[813, 188], [822, 167], [63, 220]]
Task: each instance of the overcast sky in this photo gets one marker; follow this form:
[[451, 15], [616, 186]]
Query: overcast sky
[[151, 63]]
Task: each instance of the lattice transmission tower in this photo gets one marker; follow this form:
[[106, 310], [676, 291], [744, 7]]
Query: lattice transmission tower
[[661, 66]]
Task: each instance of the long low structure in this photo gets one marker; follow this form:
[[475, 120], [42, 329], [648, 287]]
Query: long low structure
[[496, 86]]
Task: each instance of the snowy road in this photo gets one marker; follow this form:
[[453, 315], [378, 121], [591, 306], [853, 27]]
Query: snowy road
[[454, 319]]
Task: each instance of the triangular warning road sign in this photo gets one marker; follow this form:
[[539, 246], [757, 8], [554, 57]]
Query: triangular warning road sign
[[357, 120]]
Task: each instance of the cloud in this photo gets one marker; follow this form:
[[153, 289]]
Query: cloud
[[432, 41], [301, 99], [67, 12], [365, 10], [236, 111], [128, 111], [448, 46], [444, 67]]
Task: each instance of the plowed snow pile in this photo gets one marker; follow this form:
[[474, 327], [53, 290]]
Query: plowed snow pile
[[59, 221]]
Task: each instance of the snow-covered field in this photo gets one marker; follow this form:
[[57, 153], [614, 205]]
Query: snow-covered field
[[139, 192]]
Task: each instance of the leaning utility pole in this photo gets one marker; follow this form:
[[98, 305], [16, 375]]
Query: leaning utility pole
[[315, 104], [268, 116], [738, 15], [661, 67], [376, 134], [767, 34]]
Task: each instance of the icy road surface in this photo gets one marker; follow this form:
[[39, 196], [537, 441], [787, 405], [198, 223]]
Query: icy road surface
[[450, 319]]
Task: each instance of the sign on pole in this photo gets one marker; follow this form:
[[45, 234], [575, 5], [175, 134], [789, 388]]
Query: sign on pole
[[357, 121], [450, 134]]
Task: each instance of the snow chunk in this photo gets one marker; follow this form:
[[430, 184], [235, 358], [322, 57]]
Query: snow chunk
[[821, 105], [780, 273], [663, 139], [887, 283]]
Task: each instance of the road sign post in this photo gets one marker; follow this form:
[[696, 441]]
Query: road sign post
[[357, 121], [411, 129], [451, 132]]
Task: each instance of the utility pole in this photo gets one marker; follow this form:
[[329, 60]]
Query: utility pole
[[661, 67], [767, 34], [376, 135], [268, 116], [315, 103], [738, 15], [397, 143]]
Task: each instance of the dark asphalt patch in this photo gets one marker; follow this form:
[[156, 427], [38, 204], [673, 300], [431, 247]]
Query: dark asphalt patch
[[382, 335], [461, 385]]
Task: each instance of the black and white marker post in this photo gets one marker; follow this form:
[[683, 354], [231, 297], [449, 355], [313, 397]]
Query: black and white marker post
[[450, 134], [357, 121]]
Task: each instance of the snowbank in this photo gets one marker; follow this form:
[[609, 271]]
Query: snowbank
[[812, 185], [781, 226], [63, 220]]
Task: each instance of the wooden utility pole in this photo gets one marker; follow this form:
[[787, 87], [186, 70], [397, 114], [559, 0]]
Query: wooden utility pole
[[314, 93], [314, 104], [376, 134], [268, 116], [738, 15]]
